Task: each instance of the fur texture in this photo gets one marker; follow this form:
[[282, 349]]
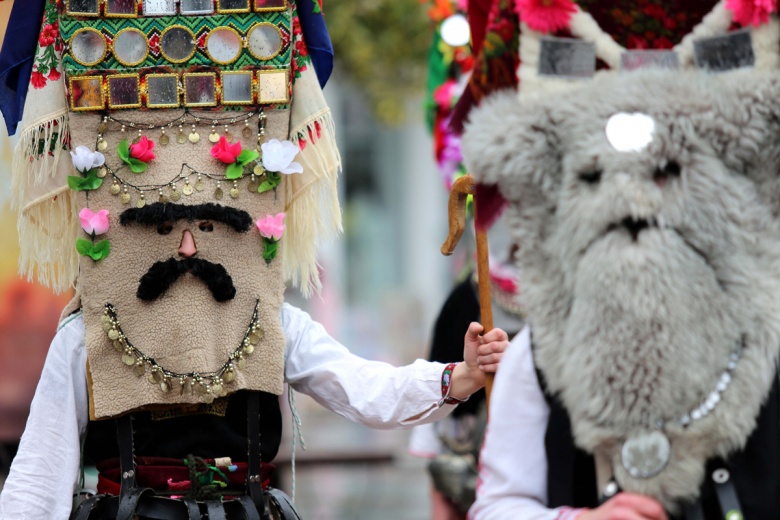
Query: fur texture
[[158, 213], [642, 270], [163, 274]]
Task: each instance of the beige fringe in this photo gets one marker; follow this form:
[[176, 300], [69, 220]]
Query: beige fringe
[[313, 210], [47, 222]]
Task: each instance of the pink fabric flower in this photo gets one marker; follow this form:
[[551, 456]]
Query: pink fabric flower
[[751, 12], [272, 227], [94, 223], [142, 150], [546, 16], [226, 152]]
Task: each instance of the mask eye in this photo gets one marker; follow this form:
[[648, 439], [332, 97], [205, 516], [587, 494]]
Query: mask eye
[[665, 171], [206, 226], [592, 177], [165, 228]]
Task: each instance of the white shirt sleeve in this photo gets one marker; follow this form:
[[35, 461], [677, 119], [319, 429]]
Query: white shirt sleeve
[[513, 463], [372, 393], [44, 473]]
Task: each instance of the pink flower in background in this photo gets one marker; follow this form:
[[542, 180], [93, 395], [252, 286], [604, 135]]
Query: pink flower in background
[[272, 226], [751, 12], [226, 152], [546, 16], [94, 223], [142, 150], [445, 94]]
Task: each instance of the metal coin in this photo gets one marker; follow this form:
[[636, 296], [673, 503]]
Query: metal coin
[[242, 363], [229, 376], [164, 199], [234, 192], [646, 455], [187, 189], [164, 386], [102, 172], [128, 360], [208, 398], [216, 389], [164, 139], [137, 139], [107, 326], [247, 132], [259, 170], [139, 370], [115, 189], [125, 198], [200, 185], [214, 137], [180, 138], [218, 194], [252, 186], [256, 337], [151, 378], [140, 203], [228, 137], [194, 137], [249, 349], [118, 346], [113, 334], [102, 127], [175, 195]]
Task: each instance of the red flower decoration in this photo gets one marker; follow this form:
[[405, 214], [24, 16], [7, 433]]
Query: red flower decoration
[[143, 150], [751, 12], [546, 16], [226, 152], [37, 80], [154, 44], [54, 75], [48, 35]]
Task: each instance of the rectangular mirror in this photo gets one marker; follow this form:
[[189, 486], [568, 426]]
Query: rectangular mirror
[[159, 7], [233, 6], [196, 6], [162, 91], [124, 91], [237, 88], [270, 5], [200, 89], [83, 7], [121, 8], [272, 87], [86, 93]]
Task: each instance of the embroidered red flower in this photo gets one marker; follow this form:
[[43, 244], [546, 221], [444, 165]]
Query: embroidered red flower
[[751, 12], [546, 16], [37, 80], [143, 150], [54, 75], [154, 44], [48, 35]]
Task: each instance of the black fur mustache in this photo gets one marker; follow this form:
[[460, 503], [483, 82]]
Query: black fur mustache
[[163, 274]]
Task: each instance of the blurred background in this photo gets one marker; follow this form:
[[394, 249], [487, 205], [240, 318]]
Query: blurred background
[[384, 279]]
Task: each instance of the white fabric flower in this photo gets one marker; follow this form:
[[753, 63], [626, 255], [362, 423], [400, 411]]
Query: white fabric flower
[[84, 159], [278, 157]]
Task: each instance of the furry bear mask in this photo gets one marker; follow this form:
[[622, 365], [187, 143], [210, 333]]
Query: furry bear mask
[[651, 275]]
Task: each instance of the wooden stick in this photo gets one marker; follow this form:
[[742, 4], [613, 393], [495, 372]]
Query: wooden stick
[[459, 193]]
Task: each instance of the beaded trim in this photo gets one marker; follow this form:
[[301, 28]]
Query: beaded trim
[[207, 385]]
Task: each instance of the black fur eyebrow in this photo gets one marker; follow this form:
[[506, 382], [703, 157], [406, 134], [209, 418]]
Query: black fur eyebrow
[[159, 212]]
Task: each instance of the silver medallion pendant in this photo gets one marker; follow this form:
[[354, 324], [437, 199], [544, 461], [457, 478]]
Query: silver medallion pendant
[[645, 455]]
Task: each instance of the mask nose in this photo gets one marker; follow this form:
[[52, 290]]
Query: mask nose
[[187, 247]]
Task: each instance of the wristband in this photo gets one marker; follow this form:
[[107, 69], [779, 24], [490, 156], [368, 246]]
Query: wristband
[[446, 386]]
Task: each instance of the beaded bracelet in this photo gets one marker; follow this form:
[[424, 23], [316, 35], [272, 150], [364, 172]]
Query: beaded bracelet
[[446, 386]]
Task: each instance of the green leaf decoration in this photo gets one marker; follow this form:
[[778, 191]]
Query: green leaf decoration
[[136, 166], [234, 171], [123, 150], [96, 252], [247, 156], [270, 250], [265, 186], [90, 182]]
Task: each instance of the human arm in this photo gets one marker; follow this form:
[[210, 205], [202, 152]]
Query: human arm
[[44, 473], [369, 392]]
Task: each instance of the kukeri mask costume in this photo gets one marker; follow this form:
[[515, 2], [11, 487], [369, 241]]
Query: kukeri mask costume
[[646, 211]]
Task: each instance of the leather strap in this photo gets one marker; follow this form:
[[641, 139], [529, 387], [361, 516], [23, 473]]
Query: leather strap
[[124, 430], [84, 509], [284, 504], [193, 511], [250, 511], [215, 510], [128, 503], [254, 478], [726, 493]]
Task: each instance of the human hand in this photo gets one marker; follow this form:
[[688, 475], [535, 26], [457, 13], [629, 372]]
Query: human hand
[[481, 355], [626, 506]]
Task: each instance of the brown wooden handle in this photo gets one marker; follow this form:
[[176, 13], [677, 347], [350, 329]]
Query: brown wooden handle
[[461, 189]]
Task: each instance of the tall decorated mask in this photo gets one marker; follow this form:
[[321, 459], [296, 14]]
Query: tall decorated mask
[[645, 206], [201, 173]]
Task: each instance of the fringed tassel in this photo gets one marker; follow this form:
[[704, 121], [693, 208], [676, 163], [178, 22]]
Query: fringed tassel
[[47, 222], [313, 211]]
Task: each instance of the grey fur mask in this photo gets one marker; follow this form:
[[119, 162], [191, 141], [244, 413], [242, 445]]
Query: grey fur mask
[[643, 271]]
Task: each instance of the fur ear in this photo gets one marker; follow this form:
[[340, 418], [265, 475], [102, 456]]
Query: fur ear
[[512, 146]]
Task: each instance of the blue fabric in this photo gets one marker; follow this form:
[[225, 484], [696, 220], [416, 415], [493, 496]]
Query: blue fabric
[[17, 57], [315, 34]]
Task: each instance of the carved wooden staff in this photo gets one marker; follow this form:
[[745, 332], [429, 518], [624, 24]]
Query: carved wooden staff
[[460, 191]]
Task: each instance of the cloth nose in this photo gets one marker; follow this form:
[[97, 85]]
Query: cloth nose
[[187, 247]]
